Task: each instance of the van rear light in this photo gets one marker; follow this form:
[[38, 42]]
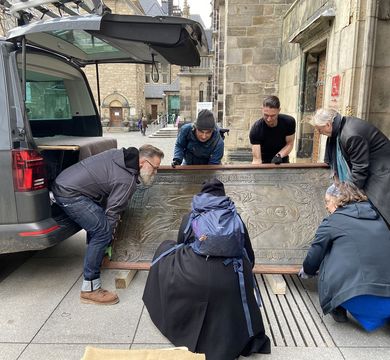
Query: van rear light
[[29, 170], [40, 232]]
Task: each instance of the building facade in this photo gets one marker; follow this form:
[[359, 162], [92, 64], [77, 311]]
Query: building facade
[[335, 54], [311, 53]]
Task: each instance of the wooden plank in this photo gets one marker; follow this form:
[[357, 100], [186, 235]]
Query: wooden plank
[[59, 147], [258, 269], [123, 278], [246, 166], [277, 283]]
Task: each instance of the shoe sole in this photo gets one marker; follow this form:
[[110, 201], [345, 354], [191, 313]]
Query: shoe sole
[[87, 301]]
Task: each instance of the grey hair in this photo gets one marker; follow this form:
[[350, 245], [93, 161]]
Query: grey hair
[[150, 151], [333, 190], [345, 193], [323, 116]]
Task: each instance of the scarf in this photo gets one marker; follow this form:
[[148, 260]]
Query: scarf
[[333, 155]]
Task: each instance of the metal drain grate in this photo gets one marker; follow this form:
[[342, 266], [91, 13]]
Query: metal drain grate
[[291, 320]]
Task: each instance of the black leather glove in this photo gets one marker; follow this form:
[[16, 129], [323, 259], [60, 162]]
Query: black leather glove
[[277, 159], [175, 162]]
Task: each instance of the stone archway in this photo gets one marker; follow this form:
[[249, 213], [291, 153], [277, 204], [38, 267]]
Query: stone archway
[[115, 110]]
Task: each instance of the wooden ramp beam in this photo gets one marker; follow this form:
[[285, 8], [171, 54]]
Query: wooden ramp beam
[[277, 283], [258, 268], [123, 278]]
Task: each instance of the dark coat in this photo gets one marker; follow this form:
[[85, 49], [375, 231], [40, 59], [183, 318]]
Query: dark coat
[[367, 151], [351, 250], [195, 302], [104, 178]]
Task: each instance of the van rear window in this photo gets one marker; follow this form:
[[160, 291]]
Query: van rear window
[[47, 100]]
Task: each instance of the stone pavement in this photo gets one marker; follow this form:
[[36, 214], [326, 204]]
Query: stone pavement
[[136, 139], [42, 318]]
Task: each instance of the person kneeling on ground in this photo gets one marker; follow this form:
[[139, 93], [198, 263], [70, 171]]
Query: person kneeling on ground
[[195, 300], [351, 251], [93, 193], [199, 144]]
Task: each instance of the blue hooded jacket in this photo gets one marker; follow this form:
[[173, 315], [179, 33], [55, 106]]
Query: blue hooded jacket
[[195, 152]]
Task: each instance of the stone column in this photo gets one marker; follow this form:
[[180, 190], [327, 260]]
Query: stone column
[[252, 48]]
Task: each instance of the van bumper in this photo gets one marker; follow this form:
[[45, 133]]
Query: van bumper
[[35, 236]]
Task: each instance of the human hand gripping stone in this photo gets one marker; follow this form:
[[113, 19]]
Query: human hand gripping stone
[[303, 275], [175, 162], [277, 159]]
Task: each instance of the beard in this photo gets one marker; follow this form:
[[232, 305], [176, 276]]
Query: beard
[[146, 177]]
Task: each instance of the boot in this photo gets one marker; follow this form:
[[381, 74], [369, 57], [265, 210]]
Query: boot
[[99, 297], [339, 314]]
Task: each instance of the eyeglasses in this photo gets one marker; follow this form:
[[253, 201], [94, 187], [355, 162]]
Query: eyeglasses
[[155, 168]]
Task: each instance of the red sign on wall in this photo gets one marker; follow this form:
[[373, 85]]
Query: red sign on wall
[[335, 85]]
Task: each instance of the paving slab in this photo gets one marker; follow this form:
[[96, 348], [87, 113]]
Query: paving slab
[[75, 246], [151, 346], [136, 139], [360, 353], [31, 293], [290, 353], [11, 351], [349, 334], [61, 351], [147, 333], [74, 322]]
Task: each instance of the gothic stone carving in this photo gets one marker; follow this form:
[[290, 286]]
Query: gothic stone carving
[[281, 208]]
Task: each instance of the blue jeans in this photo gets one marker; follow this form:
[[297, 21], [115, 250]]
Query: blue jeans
[[92, 218]]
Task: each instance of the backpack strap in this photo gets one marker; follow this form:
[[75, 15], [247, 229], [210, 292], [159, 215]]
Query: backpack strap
[[167, 252], [239, 270], [192, 216], [257, 292]]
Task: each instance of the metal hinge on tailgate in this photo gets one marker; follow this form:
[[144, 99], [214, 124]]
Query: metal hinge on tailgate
[[28, 10]]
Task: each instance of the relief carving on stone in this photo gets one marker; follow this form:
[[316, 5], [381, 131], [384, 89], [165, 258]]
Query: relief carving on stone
[[280, 207]]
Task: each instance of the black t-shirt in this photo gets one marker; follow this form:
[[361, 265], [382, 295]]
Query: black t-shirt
[[272, 139]]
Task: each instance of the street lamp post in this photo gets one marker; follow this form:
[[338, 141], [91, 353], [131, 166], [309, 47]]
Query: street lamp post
[[165, 99]]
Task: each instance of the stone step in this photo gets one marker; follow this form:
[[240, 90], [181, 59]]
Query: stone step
[[115, 129], [167, 132], [162, 136]]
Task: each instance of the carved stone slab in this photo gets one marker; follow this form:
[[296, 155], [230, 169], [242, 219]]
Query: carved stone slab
[[281, 207]]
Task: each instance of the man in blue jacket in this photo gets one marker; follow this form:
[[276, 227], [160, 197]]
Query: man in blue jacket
[[200, 143], [93, 193]]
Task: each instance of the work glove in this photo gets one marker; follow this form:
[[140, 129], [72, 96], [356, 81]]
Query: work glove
[[277, 159], [303, 275], [175, 162]]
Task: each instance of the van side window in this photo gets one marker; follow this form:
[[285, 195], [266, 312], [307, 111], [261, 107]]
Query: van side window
[[47, 100]]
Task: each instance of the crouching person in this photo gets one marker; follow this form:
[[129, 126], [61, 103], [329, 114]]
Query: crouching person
[[193, 291], [351, 251], [93, 193]]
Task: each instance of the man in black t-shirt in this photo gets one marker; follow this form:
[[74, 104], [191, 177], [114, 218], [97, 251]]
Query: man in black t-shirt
[[272, 136]]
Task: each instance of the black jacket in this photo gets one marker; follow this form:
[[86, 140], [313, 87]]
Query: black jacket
[[195, 302], [351, 250], [104, 178], [367, 152]]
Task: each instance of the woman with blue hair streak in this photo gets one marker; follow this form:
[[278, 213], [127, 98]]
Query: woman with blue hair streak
[[350, 253]]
